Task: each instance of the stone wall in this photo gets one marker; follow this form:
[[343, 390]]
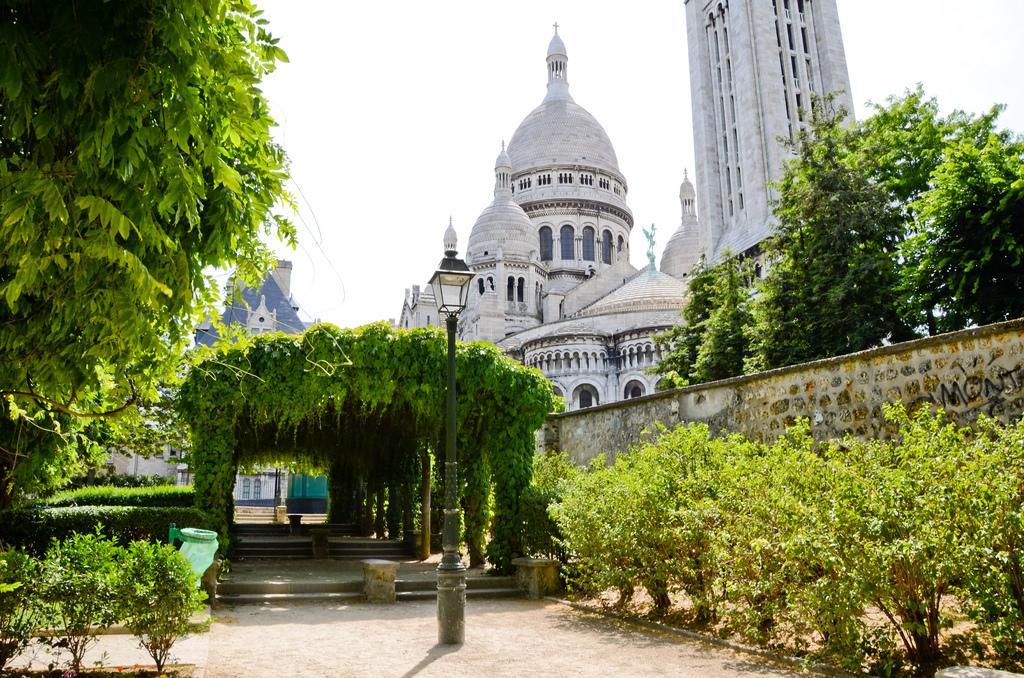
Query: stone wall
[[966, 373]]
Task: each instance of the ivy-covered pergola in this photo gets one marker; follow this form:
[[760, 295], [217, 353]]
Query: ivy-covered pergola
[[366, 406]]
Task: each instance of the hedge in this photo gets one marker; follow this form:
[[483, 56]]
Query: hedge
[[160, 496], [34, 528], [847, 549]]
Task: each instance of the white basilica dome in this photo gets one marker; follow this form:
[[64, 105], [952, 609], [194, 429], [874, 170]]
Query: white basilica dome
[[561, 132]]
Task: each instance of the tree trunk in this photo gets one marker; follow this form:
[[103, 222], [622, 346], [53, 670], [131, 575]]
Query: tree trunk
[[378, 514]]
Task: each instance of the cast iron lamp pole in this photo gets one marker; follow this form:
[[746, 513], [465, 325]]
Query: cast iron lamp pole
[[451, 287]]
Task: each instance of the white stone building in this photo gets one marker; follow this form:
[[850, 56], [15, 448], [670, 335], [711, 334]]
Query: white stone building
[[554, 286]]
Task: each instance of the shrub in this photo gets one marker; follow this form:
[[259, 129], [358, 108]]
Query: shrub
[[17, 603], [34, 528], [994, 583], [121, 480], [552, 474], [648, 519], [78, 589], [161, 496], [159, 593]]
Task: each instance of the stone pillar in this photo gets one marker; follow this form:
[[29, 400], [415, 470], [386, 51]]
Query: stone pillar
[[537, 577], [280, 514], [379, 580], [321, 544]]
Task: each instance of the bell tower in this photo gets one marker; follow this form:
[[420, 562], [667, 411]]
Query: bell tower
[[755, 66]]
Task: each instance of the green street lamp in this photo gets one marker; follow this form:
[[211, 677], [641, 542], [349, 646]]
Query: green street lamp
[[451, 288]]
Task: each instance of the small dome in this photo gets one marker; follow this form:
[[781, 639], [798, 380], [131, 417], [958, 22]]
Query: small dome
[[686, 190], [503, 160], [647, 291], [503, 226], [451, 239], [556, 47]]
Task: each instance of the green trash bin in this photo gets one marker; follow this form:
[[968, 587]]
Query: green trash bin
[[198, 546]]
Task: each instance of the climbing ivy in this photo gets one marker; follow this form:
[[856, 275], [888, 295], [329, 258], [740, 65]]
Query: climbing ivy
[[362, 402]]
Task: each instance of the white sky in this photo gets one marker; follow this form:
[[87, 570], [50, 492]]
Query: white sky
[[392, 112]]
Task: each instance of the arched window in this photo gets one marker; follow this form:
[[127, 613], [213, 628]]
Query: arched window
[[588, 243], [566, 236], [586, 400], [511, 294], [606, 247], [620, 244], [520, 289], [490, 282], [480, 284], [547, 245], [634, 389], [245, 488], [256, 490]]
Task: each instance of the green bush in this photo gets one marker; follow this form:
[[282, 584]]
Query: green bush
[[159, 496], [121, 480], [791, 543], [159, 592], [78, 589], [994, 583], [18, 603], [552, 474], [648, 520], [34, 528]]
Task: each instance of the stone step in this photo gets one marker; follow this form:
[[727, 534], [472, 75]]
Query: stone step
[[263, 598], [276, 588], [408, 596], [356, 596]]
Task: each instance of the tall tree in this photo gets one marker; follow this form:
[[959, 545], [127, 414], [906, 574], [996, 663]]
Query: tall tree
[[724, 345], [965, 261], [832, 285], [900, 147], [135, 154], [679, 344]]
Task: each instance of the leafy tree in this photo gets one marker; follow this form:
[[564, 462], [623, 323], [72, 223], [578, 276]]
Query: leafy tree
[[679, 344], [724, 345], [135, 154], [832, 287], [964, 263], [899, 148]]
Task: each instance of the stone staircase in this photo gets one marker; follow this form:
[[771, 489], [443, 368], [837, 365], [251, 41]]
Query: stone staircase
[[270, 541], [351, 591]]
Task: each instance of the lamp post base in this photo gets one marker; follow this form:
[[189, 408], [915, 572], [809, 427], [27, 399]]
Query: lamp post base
[[451, 605]]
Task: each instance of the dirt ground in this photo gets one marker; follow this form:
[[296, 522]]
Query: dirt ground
[[503, 638]]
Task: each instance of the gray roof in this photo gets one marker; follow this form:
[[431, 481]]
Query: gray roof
[[236, 311]]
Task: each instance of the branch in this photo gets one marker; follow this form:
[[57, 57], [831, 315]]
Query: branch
[[56, 406]]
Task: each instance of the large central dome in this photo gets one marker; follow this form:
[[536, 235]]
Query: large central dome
[[560, 131]]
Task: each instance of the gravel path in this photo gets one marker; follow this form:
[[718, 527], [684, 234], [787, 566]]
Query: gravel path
[[503, 638]]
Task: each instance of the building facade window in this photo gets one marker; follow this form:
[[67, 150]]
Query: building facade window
[[480, 284], [245, 488], [511, 290], [546, 244], [606, 247], [588, 244], [257, 489], [520, 289], [567, 236], [620, 244]]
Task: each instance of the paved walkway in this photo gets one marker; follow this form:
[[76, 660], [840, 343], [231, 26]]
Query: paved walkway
[[503, 638]]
